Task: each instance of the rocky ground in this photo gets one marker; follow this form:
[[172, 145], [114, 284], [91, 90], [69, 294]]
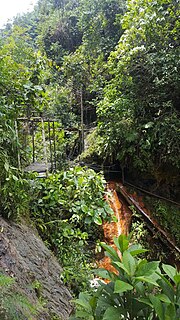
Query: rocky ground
[[24, 256]]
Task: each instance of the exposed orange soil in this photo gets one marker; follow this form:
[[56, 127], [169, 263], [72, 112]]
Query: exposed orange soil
[[123, 215], [115, 229]]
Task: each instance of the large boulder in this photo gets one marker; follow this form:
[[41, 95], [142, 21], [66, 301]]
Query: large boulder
[[24, 256]]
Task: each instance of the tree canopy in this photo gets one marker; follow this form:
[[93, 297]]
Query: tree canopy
[[139, 112], [110, 67], [119, 59]]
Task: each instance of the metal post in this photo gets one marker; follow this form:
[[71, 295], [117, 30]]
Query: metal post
[[33, 144], [50, 144], [54, 142], [17, 139], [82, 120], [44, 145]]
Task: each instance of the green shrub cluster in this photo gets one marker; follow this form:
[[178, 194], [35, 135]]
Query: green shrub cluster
[[67, 207], [137, 290], [13, 184]]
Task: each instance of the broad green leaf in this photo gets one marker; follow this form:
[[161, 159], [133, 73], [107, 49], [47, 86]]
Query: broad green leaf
[[112, 253], [83, 304], [163, 297], [83, 301], [145, 301], [170, 312], [103, 273], [98, 220], [137, 306], [147, 269], [166, 287], [169, 270], [84, 208], [93, 302], [121, 242], [116, 243], [165, 280], [148, 280], [109, 289], [177, 279], [157, 306], [140, 288], [121, 266], [114, 218], [114, 313], [136, 249], [129, 263], [104, 302], [141, 262], [109, 210], [88, 220], [121, 286]]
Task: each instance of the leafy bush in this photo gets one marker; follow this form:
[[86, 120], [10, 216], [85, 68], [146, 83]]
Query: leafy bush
[[138, 289], [13, 184], [67, 208], [142, 130], [77, 194], [14, 200]]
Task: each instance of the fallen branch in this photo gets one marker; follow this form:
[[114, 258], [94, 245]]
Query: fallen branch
[[133, 202]]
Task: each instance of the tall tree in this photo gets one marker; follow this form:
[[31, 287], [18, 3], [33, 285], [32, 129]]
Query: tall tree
[[139, 114]]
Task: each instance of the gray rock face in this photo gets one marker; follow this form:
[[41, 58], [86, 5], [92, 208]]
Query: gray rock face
[[24, 256]]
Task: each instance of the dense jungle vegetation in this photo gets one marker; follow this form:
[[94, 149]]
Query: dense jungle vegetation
[[110, 67]]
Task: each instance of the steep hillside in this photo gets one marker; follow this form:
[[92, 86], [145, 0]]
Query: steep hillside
[[36, 271]]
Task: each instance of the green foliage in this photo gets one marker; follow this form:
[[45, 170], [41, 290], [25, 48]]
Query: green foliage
[[63, 103], [14, 193], [13, 305], [137, 290], [76, 194], [53, 133], [13, 184], [94, 150], [22, 73], [79, 37], [74, 256], [66, 209], [21, 93], [138, 118], [150, 238], [8, 139], [58, 30], [167, 215], [98, 22]]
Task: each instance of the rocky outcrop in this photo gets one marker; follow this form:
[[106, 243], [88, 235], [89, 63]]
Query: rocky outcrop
[[24, 256]]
